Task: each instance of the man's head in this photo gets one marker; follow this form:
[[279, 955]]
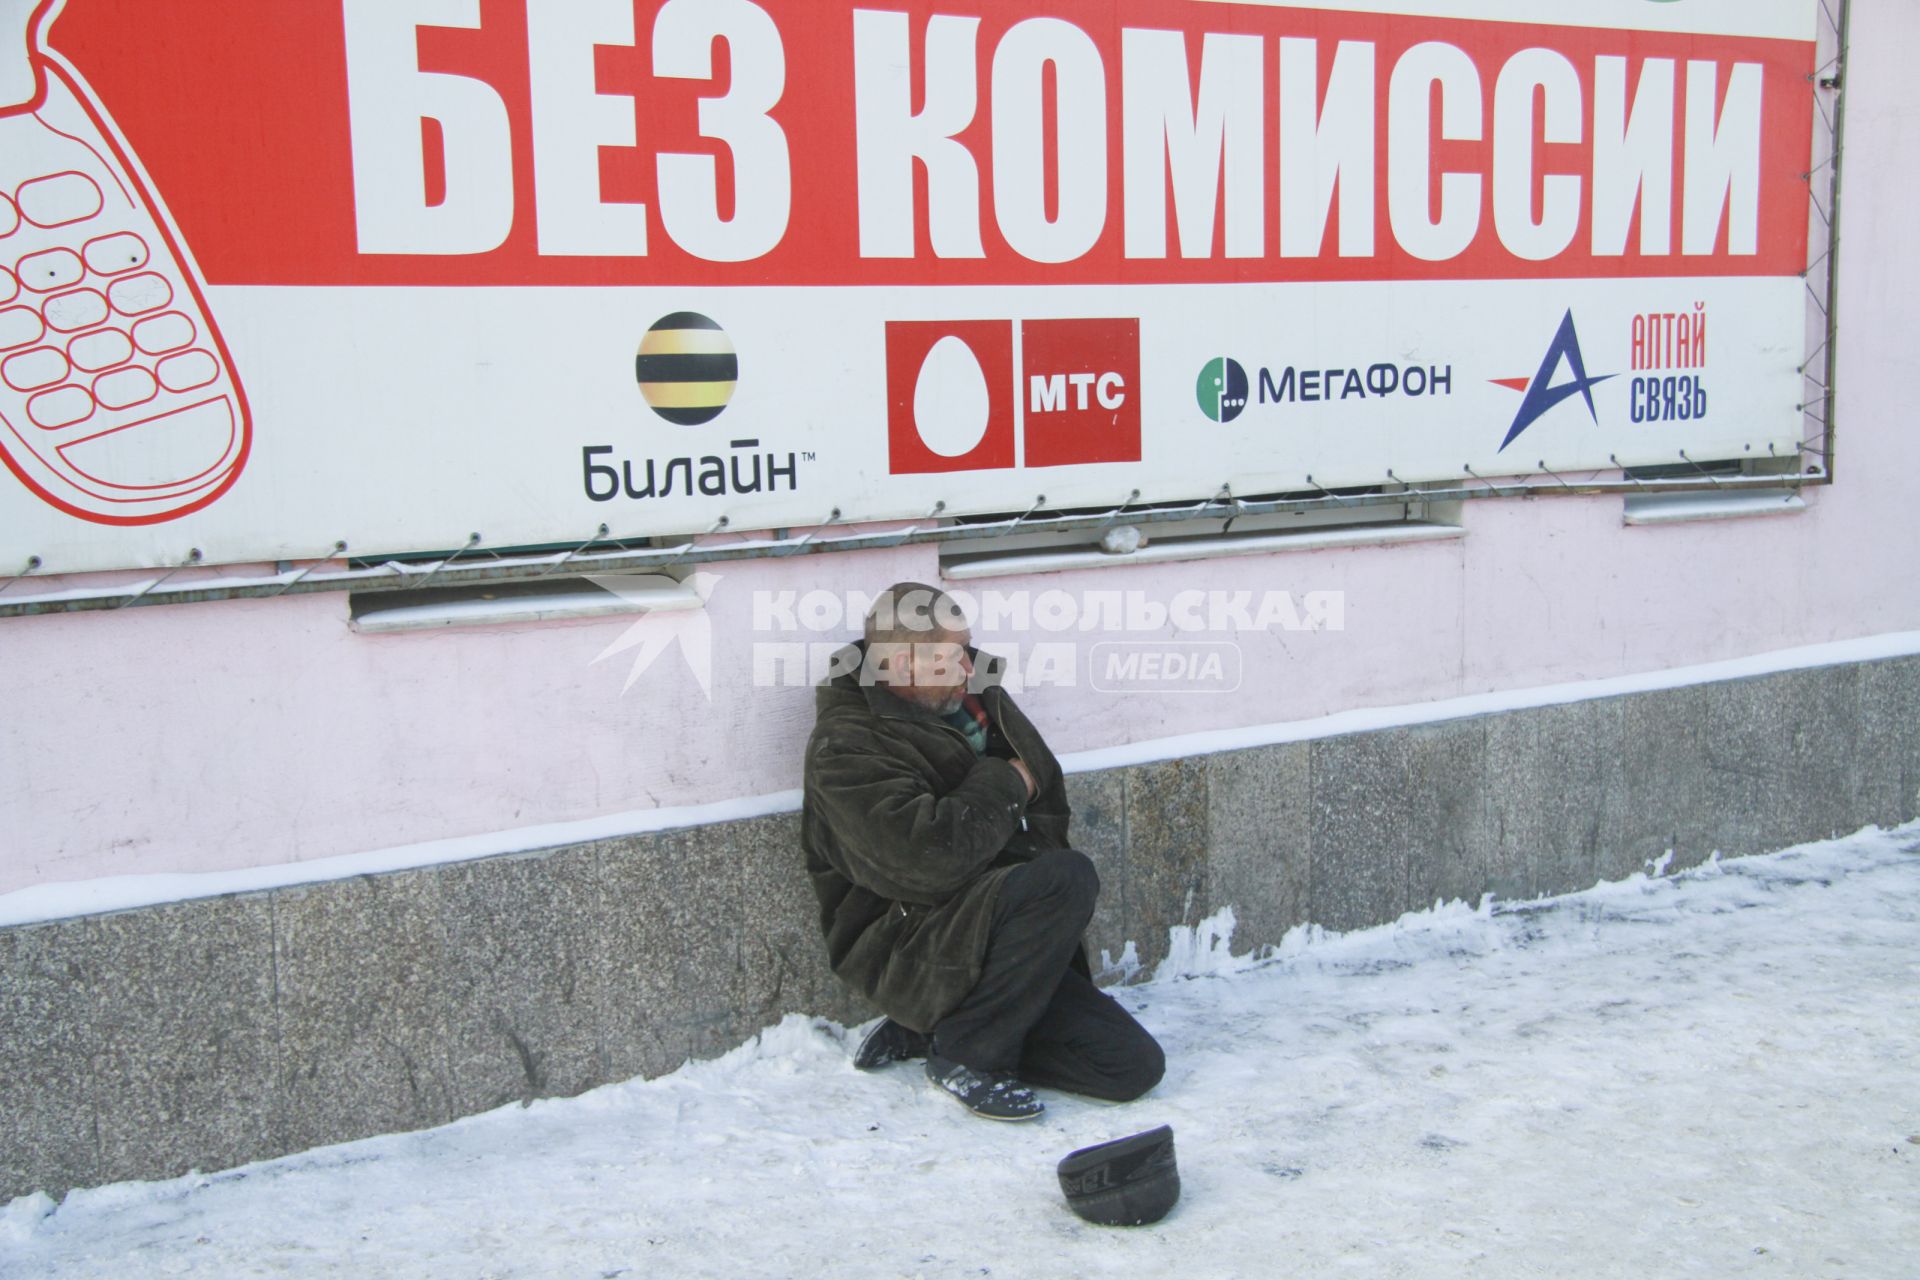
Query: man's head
[[917, 640]]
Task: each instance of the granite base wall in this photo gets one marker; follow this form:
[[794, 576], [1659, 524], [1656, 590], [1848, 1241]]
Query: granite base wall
[[210, 1033]]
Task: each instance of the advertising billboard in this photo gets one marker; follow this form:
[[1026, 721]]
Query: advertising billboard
[[398, 272]]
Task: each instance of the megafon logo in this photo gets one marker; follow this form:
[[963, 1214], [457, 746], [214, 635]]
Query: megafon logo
[[1222, 389], [1543, 393], [952, 402]]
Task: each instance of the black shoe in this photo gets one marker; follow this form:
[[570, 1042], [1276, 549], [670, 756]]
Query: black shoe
[[890, 1042], [992, 1094]]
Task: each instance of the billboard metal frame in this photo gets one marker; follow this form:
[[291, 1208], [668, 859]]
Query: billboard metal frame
[[474, 563]]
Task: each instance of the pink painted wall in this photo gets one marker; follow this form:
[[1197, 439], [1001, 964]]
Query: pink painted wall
[[219, 736]]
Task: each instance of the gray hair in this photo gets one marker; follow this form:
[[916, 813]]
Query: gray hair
[[913, 613]]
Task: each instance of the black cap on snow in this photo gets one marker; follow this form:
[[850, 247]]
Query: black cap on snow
[[1125, 1183]]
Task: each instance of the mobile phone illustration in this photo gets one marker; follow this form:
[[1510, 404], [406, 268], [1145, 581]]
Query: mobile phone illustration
[[119, 403]]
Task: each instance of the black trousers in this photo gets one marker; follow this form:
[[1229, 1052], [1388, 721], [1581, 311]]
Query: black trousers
[[1035, 1012]]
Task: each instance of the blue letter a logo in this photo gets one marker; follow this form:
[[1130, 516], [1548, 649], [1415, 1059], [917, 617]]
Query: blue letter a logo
[[1542, 395]]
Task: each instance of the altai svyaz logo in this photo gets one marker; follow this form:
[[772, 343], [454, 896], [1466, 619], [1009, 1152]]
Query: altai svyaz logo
[[1543, 394], [1222, 389], [687, 368]]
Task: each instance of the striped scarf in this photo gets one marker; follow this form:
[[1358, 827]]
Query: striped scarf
[[970, 718]]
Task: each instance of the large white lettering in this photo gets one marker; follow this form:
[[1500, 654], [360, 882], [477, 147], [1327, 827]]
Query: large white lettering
[[571, 122], [1325, 147], [1550, 74], [1019, 142], [1723, 160], [388, 100], [1212, 137], [1632, 156], [1165, 133], [1410, 150], [890, 136], [683, 37]]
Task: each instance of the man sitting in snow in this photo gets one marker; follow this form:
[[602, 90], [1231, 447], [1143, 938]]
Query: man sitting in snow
[[935, 830]]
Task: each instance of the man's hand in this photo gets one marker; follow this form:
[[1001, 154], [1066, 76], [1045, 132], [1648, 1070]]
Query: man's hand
[[1033, 788]]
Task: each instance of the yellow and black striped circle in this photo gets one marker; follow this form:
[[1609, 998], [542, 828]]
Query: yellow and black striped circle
[[687, 368]]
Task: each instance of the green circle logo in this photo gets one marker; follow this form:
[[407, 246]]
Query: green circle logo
[[1221, 389]]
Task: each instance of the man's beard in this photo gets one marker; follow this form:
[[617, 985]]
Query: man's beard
[[951, 700]]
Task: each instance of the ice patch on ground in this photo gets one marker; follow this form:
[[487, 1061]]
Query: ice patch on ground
[[19, 1218], [1203, 951], [1124, 969]]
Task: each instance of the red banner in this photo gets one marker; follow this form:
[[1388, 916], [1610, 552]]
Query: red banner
[[1079, 148]]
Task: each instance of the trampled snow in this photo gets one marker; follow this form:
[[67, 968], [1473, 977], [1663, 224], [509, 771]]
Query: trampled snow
[[1713, 1074]]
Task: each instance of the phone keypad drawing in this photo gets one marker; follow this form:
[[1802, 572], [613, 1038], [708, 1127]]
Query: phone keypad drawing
[[118, 401]]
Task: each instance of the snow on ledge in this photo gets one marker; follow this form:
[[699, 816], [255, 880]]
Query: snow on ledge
[[120, 893], [1899, 644]]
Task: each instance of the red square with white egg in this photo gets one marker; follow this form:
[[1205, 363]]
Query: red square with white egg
[[949, 395]]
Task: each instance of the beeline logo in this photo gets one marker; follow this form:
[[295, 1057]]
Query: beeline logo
[[953, 403]]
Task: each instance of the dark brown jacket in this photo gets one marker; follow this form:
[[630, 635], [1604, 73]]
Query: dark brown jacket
[[908, 835]]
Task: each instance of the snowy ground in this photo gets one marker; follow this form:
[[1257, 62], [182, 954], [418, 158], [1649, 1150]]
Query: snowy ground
[[1715, 1074]]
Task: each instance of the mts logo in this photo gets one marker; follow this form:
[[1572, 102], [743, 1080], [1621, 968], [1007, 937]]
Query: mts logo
[[1050, 393], [953, 401]]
